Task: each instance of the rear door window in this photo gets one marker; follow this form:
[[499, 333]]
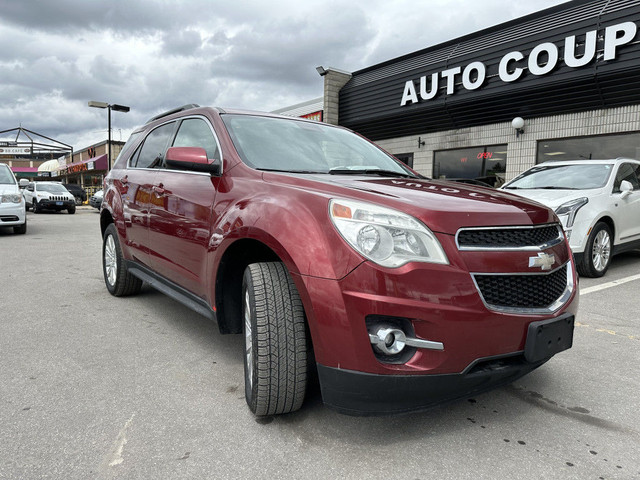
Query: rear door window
[[151, 154]]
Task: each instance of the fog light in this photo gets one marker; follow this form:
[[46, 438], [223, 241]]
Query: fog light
[[388, 340]]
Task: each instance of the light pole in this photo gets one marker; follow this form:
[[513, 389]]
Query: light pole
[[109, 107]]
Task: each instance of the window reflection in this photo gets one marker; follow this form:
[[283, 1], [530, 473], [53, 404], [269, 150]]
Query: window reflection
[[486, 164], [597, 147]]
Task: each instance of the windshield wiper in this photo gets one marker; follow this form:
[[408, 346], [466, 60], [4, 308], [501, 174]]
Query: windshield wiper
[[369, 171], [288, 171], [548, 187]]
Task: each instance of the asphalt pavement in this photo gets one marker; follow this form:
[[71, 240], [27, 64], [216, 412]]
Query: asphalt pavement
[[98, 387]]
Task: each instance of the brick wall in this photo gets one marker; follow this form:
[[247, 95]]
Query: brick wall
[[334, 80]]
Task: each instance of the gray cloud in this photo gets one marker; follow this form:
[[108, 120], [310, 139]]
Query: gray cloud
[[154, 55]]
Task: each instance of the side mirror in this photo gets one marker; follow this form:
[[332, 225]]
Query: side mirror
[[192, 158], [23, 183], [625, 189]]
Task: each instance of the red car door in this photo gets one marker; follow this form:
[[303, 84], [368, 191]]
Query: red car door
[[181, 212], [135, 186]]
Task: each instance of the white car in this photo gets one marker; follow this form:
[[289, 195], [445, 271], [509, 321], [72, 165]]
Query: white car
[[597, 201], [49, 196], [12, 206]]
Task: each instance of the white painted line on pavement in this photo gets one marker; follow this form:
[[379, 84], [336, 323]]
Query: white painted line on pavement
[[604, 286]]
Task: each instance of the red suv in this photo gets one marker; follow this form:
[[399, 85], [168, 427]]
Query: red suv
[[332, 256]]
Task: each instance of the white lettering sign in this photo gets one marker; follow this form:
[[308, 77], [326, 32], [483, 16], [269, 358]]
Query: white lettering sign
[[15, 150], [542, 60]]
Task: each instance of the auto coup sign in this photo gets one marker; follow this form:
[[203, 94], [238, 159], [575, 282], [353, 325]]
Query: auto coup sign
[[541, 61]]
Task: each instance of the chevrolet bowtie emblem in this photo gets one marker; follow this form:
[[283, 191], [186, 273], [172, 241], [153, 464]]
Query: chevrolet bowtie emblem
[[543, 260]]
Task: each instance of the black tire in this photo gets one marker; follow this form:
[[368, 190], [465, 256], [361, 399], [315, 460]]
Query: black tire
[[35, 206], [117, 278], [597, 256], [275, 357], [71, 210], [21, 229]]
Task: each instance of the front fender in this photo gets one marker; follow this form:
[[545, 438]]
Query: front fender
[[112, 205], [298, 231]]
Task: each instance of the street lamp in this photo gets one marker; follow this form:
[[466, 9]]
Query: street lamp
[[109, 107]]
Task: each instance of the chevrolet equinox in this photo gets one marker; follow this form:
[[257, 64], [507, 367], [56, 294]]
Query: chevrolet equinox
[[331, 256]]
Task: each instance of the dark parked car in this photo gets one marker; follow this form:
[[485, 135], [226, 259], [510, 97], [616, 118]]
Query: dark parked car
[[77, 191], [330, 255]]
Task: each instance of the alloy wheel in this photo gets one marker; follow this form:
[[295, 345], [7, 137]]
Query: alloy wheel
[[248, 338], [110, 260], [601, 250]]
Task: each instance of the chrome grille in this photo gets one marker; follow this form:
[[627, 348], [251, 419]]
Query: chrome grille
[[509, 238], [524, 291]]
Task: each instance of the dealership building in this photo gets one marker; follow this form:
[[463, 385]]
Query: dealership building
[[559, 84]]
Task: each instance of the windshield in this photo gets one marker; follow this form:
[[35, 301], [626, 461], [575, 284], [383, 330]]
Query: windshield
[[563, 177], [51, 188], [279, 144], [6, 177]]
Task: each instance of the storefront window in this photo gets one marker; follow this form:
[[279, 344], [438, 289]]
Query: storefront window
[[406, 158], [484, 164], [593, 147]]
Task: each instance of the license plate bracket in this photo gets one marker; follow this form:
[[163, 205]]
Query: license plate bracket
[[545, 338]]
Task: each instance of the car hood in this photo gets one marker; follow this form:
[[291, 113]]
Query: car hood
[[443, 206], [6, 188], [554, 198]]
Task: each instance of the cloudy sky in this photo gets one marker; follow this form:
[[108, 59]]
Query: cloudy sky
[[153, 55]]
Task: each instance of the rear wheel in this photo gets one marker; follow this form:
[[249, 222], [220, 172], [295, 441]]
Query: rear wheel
[[597, 255], [116, 276], [275, 360]]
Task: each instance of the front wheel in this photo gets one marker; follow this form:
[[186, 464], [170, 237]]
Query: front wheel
[[71, 209], [275, 360], [119, 280], [35, 206], [21, 229], [597, 255]]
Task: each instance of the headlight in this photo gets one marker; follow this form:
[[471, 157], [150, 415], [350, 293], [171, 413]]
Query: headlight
[[11, 198], [570, 209], [387, 237]]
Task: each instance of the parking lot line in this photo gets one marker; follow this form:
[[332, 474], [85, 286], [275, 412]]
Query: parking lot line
[[613, 283]]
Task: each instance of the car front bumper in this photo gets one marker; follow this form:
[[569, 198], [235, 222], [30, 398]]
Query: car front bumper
[[358, 393], [56, 204], [482, 348], [12, 214]]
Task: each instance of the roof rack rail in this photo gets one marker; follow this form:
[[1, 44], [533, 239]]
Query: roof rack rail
[[188, 106]]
